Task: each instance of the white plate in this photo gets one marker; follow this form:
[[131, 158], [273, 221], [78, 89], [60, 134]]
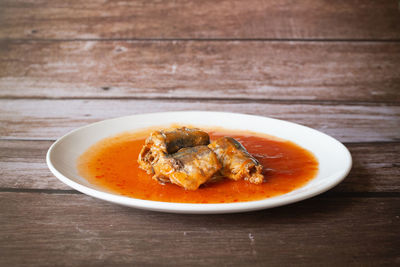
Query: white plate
[[333, 157]]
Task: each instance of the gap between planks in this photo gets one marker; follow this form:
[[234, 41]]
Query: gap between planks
[[302, 40], [327, 194], [233, 99]]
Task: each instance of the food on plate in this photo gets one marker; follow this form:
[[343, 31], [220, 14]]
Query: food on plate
[[236, 162], [193, 166], [112, 164], [181, 156], [162, 143]]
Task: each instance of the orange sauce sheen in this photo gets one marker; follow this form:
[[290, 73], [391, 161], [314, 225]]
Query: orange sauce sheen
[[112, 164]]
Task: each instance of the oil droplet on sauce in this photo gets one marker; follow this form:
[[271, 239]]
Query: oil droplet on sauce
[[112, 164]]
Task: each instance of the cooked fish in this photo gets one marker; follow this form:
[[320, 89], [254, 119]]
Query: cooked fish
[[185, 157], [189, 167], [162, 143], [236, 162]]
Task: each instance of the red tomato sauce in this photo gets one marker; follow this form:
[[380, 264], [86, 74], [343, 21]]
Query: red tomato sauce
[[112, 165]]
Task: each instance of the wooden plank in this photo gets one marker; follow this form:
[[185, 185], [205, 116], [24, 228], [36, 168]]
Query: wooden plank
[[49, 119], [317, 19], [23, 166], [333, 71], [76, 230], [376, 167]]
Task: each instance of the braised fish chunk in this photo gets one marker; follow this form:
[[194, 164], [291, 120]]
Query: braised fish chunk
[[161, 143], [189, 167], [184, 137], [193, 166], [173, 140], [185, 157], [236, 162]]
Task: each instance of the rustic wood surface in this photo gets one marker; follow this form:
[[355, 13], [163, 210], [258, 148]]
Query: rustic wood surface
[[58, 19], [50, 119], [365, 71], [330, 65], [305, 233]]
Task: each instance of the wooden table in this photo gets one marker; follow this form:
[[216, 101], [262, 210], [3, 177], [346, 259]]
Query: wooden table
[[330, 65]]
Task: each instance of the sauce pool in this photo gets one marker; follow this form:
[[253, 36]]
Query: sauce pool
[[112, 164]]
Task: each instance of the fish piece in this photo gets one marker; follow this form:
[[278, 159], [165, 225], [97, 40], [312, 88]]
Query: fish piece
[[184, 137], [237, 163], [162, 143], [189, 167]]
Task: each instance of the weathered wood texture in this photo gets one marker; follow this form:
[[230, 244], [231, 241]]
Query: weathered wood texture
[[375, 167], [349, 71], [50, 119], [72, 230], [315, 19], [121, 57]]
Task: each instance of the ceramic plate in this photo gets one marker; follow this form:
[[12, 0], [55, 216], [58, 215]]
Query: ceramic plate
[[333, 157]]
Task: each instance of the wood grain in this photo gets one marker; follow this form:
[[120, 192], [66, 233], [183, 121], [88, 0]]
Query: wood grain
[[330, 65], [332, 71], [58, 229], [50, 119], [376, 167], [23, 166], [314, 19]]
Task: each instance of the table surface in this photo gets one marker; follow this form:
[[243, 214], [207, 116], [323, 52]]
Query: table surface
[[330, 65]]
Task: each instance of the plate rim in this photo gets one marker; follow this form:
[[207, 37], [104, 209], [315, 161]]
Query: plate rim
[[198, 208]]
